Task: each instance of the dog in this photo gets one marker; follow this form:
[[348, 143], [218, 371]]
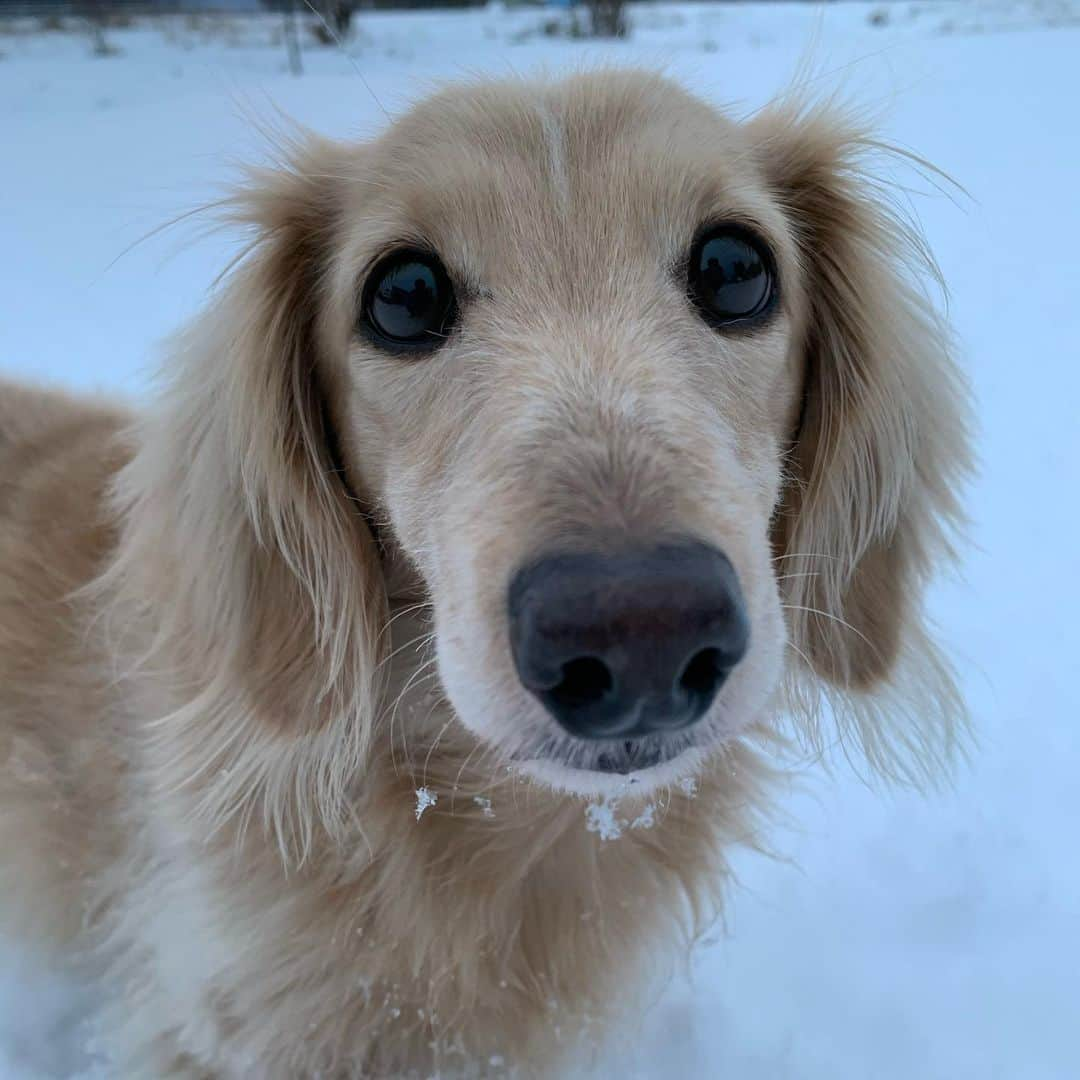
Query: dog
[[386, 698]]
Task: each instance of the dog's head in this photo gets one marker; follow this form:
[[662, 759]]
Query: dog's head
[[646, 402]]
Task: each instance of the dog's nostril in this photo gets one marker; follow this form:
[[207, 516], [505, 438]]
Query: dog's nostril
[[702, 673], [585, 681]]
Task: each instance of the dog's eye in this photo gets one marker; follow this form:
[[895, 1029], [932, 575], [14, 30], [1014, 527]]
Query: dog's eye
[[730, 276], [408, 302]]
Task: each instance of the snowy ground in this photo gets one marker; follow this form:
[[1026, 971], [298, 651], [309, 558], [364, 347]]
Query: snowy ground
[[932, 938]]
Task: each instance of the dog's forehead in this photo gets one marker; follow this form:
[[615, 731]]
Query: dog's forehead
[[614, 158]]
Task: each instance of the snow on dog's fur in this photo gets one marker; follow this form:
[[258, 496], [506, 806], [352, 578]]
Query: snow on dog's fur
[[263, 753]]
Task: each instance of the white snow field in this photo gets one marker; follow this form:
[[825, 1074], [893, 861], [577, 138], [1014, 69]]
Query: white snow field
[[902, 937]]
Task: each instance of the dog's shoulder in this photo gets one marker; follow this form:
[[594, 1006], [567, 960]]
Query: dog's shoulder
[[58, 454], [58, 770], [56, 451]]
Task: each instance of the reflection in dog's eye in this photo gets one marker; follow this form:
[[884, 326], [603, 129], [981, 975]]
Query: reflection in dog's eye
[[409, 302], [730, 276]]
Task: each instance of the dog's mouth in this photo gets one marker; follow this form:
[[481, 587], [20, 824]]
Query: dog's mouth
[[599, 767], [634, 755], [610, 757]]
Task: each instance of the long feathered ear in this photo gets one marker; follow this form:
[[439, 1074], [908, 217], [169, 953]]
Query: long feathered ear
[[881, 448], [251, 567]]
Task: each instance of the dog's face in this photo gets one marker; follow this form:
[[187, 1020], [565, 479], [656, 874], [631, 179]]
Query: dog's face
[[570, 386], [643, 396]]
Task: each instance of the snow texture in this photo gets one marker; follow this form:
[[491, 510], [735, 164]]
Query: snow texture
[[424, 800], [900, 936], [600, 818]]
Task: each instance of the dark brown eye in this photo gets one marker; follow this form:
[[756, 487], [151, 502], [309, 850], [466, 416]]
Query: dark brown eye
[[730, 276], [408, 302]]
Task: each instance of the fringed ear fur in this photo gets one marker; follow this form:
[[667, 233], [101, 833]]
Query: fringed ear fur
[[242, 546], [882, 447]]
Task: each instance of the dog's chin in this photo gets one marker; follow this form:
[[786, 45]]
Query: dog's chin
[[615, 773]]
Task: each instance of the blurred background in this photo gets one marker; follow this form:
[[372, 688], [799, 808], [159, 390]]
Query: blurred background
[[896, 935]]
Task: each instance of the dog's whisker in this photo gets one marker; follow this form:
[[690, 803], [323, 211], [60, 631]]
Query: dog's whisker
[[425, 639], [434, 744], [477, 747], [798, 652], [423, 673], [402, 613], [829, 615]]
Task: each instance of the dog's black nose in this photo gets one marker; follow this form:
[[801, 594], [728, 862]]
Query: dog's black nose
[[617, 646]]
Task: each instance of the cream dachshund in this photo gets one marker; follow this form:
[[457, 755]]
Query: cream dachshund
[[385, 699]]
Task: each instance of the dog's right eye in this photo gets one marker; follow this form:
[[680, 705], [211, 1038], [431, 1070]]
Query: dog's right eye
[[408, 302]]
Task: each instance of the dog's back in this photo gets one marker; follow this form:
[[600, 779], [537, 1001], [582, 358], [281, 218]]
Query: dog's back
[[59, 760]]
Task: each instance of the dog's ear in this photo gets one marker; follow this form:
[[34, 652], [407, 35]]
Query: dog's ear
[[245, 548], [881, 446]]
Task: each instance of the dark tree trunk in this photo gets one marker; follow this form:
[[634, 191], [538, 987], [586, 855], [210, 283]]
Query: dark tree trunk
[[292, 40], [607, 18]]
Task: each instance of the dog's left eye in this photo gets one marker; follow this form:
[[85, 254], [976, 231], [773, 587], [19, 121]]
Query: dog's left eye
[[730, 276], [408, 302]]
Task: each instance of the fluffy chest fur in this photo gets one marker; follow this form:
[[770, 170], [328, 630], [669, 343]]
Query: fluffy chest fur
[[495, 926]]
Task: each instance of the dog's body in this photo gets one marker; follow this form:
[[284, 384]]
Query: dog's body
[[228, 779], [61, 729], [361, 963]]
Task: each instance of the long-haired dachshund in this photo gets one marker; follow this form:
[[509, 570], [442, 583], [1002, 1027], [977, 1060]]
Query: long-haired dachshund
[[384, 700]]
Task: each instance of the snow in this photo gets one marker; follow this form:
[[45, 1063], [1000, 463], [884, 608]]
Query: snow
[[899, 936], [602, 817], [425, 799]]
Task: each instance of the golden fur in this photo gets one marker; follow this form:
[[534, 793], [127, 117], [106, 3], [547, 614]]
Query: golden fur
[[238, 632]]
